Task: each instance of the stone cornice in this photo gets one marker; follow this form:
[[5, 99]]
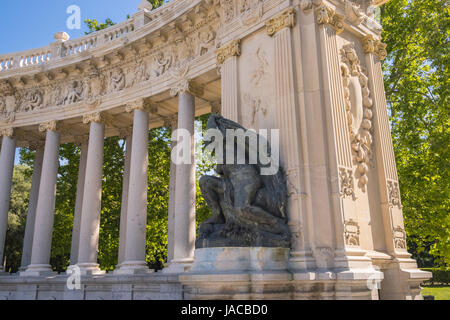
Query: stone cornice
[[286, 19], [229, 50], [327, 15], [371, 45], [48, 126]]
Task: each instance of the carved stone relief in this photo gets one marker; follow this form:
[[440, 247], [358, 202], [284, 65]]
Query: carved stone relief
[[399, 236], [352, 233], [347, 187], [394, 194], [359, 111]]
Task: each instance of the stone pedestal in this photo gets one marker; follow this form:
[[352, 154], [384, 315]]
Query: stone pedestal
[[238, 273]]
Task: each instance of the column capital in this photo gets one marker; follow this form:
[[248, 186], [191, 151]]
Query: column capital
[[327, 15], [231, 49], [186, 86], [135, 105], [286, 19], [48, 126], [183, 83], [93, 117], [372, 45], [7, 132]]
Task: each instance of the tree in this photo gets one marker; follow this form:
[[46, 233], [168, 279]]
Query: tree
[[18, 209], [417, 84]]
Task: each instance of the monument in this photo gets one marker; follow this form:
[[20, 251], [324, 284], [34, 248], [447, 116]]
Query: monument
[[327, 225]]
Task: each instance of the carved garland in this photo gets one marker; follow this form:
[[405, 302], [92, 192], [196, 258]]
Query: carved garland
[[359, 111]]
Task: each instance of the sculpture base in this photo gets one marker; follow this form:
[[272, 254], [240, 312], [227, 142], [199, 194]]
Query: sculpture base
[[238, 273], [219, 235]]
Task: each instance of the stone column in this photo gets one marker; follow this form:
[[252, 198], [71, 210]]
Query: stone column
[[184, 239], [402, 278], [136, 225], [83, 142], [92, 197], [43, 230], [173, 124], [292, 154], [227, 60], [125, 185], [32, 205], [7, 155]]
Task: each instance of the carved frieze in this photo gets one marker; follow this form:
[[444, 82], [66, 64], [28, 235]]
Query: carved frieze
[[30, 100], [286, 19], [162, 63], [358, 104]]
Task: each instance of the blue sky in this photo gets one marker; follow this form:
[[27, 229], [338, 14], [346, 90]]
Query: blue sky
[[28, 24]]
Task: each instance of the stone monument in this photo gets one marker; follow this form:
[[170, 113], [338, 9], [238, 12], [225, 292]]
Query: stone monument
[[328, 225]]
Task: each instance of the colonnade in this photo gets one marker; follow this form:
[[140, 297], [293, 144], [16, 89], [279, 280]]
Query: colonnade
[[86, 226]]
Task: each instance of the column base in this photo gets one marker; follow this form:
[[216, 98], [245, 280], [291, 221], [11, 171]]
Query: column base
[[301, 260], [38, 270], [132, 268], [89, 269], [179, 266]]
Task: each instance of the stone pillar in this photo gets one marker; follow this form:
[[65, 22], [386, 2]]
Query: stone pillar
[[125, 185], [402, 278], [32, 205], [83, 142], [43, 230], [136, 225], [172, 123], [292, 154], [184, 239], [7, 155], [92, 197], [227, 60]]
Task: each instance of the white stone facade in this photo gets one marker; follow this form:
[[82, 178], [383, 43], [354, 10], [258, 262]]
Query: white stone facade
[[310, 68]]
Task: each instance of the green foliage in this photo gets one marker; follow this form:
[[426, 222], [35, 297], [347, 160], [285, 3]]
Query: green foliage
[[417, 84], [20, 192], [440, 276], [94, 25]]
